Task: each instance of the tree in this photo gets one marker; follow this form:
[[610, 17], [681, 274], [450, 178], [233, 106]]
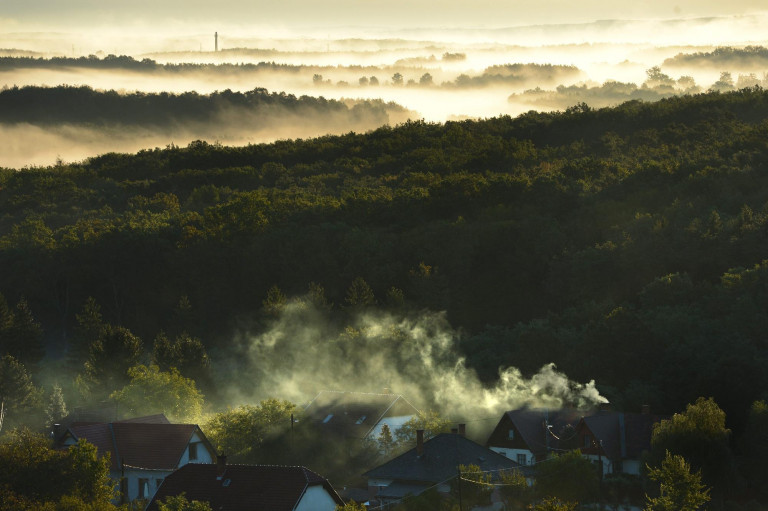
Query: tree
[[76, 475], [514, 489], [239, 432], [679, 488], [569, 477], [110, 357], [275, 301], [385, 440], [473, 486], [360, 294], [553, 504], [755, 447], [426, 79], [57, 408], [180, 503], [699, 435], [351, 506], [397, 79], [20, 397], [151, 390], [24, 338], [185, 353], [430, 421]]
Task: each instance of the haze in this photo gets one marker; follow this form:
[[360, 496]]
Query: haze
[[456, 60]]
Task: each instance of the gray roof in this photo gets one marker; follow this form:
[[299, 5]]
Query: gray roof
[[442, 456]]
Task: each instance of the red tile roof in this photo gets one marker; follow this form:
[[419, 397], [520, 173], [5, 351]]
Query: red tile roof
[[242, 487], [151, 446]]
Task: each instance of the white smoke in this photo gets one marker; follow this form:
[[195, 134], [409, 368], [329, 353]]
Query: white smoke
[[302, 353]]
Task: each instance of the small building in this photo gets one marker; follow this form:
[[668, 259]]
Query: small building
[[142, 454], [249, 488], [358, 415], [432, 463], [617, 440], [530, 435]]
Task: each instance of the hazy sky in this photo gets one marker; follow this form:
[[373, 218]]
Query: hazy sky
[[64, 14]]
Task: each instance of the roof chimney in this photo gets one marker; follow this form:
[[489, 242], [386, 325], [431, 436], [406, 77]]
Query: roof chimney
[[221, 465], [455, 431], [463, 429], [605, 407], [419, 443]]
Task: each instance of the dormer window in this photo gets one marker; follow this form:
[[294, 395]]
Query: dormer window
[[511, 434], [360, 420]]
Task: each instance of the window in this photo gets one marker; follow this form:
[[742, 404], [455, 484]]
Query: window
[[143, 488], [511, 434], [360, 420], [330, 416], [193, 451], [521, 459], [587, 441]]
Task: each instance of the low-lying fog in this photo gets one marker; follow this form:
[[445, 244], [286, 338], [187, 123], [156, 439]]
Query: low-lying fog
[[439, 75]]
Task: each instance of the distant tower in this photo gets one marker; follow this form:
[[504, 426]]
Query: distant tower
[[216, 41]]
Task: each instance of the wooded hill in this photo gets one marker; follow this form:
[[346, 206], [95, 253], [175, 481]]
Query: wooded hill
[[624, 244]]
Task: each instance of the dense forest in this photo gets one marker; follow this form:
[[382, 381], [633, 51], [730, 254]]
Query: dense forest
[[626, 245]]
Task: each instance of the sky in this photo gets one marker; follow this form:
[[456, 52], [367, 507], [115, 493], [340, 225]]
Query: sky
[[90, 14]]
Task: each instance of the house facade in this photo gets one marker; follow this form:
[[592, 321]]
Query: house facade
[[616, 441], [358, 415], [529, 435], [143, 454], [249, 488]]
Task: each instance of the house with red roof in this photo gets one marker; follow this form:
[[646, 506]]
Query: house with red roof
[[249, 488], [143, 451]]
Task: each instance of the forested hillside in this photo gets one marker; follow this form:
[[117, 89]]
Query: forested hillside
[[626, 245]]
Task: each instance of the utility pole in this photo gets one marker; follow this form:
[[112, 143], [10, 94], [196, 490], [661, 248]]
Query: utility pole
[[216, 41]]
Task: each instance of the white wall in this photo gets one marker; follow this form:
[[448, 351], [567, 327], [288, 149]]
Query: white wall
[[316, 498], [512, 454], [132, 476], [203, 455]]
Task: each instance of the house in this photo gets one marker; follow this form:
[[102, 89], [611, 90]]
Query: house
[[143, 451], [530, 435], [617, 440], [431, 463], [358, 415], [249, 488]]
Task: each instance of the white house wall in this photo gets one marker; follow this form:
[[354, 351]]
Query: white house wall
[[203, 456], [132, 476], [512, 454], [316, 498], [607, 465]]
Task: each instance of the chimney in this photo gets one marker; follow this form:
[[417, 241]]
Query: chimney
[[221, 465], [454, 431], [645, 409], [56, 432], [605, 407], [463, 429], [419, 443]]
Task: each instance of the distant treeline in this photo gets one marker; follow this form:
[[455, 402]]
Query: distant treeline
[[255, 108], [725, 57], [624, 244]]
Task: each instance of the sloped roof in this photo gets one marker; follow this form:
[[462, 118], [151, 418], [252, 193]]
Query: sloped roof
[[242, 487], [623, 435], [532, 424], [355, 414], [143, 445], [442, 456]]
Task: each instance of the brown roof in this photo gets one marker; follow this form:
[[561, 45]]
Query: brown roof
[[538, 428], [242, 487], [152, 446]]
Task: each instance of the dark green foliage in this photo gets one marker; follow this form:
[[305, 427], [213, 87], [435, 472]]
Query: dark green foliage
[[110, 356], [569, 477], [22, 400], [71, 475]]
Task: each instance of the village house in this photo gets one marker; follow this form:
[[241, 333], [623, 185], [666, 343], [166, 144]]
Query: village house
[[143, 451], [616, 441], [530, 435], [431, 463], [358, 415], [249, 488]]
